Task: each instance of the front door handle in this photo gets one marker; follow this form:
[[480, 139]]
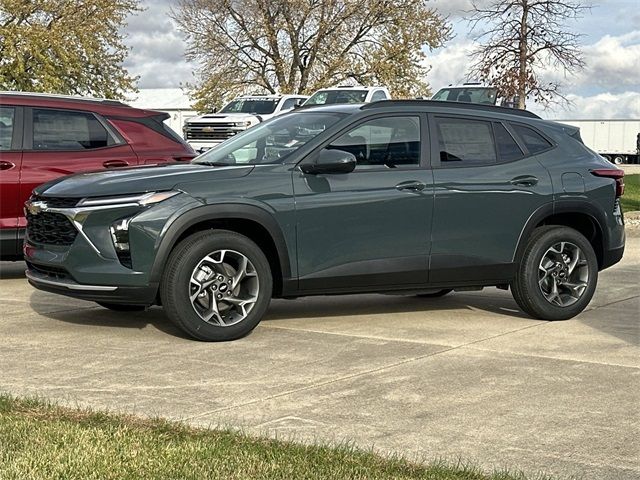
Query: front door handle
[[524, 181], [6, 165], [115, 163], [412, 186]]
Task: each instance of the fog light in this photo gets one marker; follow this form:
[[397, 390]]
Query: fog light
[[120, 236]]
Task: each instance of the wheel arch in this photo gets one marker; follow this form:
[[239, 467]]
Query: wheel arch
[[578, 215], [251, 221]]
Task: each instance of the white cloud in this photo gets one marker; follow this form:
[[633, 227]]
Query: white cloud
[[603, 105]]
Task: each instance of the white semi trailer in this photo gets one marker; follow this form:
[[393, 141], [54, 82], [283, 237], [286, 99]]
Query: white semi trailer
[[616, 140]]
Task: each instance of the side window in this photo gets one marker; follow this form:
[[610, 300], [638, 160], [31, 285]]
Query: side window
[[534, 142], [378, 95], [464, 143], [289, 103], [384, 142], [7, 115], [508, 149], [68, 130]]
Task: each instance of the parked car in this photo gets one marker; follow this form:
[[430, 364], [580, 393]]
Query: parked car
[[473, 92], [43, 137], [241, 113], [404, 197], [348, 94]]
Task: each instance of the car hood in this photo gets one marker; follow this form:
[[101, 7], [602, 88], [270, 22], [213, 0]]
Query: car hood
[[136, 180]]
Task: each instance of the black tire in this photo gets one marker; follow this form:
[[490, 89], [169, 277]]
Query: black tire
[[174, 287], [525, 287], [119, 307], [439, 293]]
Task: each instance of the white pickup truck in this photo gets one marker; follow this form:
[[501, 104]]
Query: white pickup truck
[[207, 131]]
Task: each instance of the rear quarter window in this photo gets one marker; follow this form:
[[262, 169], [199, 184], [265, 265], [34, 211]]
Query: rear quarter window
[[534, 142]]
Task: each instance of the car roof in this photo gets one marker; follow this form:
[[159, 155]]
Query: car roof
[[91, 104], [351, 87], [420, 105], [270, 97]]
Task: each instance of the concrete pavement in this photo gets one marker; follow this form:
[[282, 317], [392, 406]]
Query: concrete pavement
[[466, 376]]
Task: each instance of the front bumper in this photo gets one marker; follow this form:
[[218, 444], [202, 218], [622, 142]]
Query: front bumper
[[96, 293]]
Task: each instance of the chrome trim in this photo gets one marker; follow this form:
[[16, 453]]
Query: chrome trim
[[71, 286]]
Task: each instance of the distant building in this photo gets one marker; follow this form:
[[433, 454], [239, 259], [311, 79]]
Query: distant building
[[174, 101]]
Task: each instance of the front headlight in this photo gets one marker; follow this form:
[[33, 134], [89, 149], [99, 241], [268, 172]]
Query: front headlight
[[246, 123], [140, 200]]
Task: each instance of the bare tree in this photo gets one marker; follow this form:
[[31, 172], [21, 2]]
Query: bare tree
[[297, 46], [520, 38]]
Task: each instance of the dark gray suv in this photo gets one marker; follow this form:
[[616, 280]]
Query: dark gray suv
[[413, 197]]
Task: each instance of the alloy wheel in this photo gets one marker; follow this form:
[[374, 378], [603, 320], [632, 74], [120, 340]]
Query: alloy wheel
[[224, 287], [563, 274]]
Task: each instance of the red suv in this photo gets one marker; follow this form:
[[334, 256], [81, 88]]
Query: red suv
[[43, 137]]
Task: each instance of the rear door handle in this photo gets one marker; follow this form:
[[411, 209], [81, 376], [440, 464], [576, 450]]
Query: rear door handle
[[6, 165], [411, 185], [524, 181], [115, 163]]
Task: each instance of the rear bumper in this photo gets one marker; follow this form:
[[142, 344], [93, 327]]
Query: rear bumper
[[96, 293], [611, 257]]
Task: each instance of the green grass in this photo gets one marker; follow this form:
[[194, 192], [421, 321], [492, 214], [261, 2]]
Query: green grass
[[42, 441], [631, 197]]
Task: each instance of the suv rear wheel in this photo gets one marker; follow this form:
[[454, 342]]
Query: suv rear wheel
[[217, 285], [557, 275]]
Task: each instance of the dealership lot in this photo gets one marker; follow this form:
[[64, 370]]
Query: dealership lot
[[465, 376]]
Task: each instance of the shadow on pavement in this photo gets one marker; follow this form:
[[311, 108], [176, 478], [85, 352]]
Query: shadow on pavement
[[103, 317], [335, 306]]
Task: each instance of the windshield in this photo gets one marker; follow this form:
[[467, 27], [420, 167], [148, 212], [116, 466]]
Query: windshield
[[483, 95], [325, 97], [271, 141], [261, 106]]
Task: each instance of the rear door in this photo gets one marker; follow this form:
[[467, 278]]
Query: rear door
[[59, 142], [10, 163], [487, 185]]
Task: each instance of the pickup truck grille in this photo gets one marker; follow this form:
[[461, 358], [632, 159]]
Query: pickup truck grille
[[210, 131], [50, 228]]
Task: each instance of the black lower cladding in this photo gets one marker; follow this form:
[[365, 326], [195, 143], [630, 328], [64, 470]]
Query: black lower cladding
[[50, 229], [122, 295]]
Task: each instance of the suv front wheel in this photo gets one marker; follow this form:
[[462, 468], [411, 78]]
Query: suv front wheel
[[217, 285], [557, 275]]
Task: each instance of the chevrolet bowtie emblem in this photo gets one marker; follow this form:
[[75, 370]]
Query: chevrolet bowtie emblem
[[207, 129], [35, 208]]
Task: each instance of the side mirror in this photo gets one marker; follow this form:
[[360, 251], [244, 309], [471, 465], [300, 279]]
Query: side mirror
[[330, 161]]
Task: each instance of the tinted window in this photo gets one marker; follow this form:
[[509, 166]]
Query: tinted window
[[323, 97], [534, 142], [378, 95], [258, 106], [6, 127], [465, 142], [289, 103], [66, 130], [508, 149], [469, 95], [383, 142]]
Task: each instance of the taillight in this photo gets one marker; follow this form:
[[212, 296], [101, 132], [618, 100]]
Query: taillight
[[614, 173]]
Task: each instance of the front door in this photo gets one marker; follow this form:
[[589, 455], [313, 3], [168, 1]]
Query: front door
[[371, 227]]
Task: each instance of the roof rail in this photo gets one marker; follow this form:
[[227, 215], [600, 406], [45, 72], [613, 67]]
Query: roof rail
[[105, 101], [444, 104]]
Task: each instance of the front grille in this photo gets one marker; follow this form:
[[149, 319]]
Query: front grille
[[56, 202], [210, 131], [50, 228], [53, 273]]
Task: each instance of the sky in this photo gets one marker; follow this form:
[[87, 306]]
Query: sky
[[609, 86]]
